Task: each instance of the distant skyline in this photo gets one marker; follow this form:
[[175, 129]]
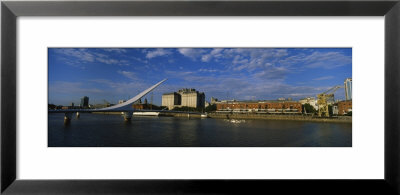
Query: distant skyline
[[114, 74]]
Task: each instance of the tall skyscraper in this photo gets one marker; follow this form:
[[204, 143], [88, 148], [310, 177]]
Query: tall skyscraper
[[85, 102], [348, 88]]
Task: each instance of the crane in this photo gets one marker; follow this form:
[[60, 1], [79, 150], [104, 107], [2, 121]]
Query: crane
[[323, 109]]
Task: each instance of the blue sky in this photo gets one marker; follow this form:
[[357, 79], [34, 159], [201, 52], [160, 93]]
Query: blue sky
[[113, 74]]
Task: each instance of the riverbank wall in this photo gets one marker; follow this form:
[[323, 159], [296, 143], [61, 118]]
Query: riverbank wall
[[192, 115], [251, 116], [340, 119]]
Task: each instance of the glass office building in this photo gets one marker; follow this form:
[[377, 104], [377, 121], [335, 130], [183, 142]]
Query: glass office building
[[85, 102], [348, 88]]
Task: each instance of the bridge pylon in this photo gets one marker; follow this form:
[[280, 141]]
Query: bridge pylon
[[128, 116], [67, 117]]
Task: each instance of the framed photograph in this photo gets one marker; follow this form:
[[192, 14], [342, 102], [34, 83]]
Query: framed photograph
[[244, 99], [199, 97]]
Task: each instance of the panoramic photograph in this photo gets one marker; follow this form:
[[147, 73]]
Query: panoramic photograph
[[199, 97]]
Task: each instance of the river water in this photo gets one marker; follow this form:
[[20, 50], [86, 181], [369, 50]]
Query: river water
[[97, 130]]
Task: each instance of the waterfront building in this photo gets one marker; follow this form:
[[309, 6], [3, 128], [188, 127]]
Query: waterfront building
[[213, 100], [267, 106], [145, 107], [309, 100], [171, 100], [335, 109], [192, 98], [348, 86], [344, 107], [85, 102], [121, 101], [184, 98]]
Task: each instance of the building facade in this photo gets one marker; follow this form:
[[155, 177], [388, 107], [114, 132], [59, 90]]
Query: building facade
[[192, 98], [184, 98], [345, 107], [310, 100], [170, 100], [348, 86], [85, 102], [262, 106]]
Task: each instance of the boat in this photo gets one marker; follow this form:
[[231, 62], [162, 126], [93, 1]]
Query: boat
[[146, 113], [204, 115]]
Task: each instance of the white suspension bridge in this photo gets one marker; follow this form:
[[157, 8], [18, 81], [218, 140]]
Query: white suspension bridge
[[125, 108]]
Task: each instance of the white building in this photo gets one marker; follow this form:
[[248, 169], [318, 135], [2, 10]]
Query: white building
[[192, 98], [309, 100], [184, 97], [348, 86], [171, 100]]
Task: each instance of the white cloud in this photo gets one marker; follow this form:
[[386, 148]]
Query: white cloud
[[272, 73], [157, 53], [207, 70], [127, 74], [118, 50], [318, 59], [191, 52], [327, 60], [206, 58], [323, 78], [81, 54]]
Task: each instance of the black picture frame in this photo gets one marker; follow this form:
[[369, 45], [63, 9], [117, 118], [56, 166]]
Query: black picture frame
[[10, 10]]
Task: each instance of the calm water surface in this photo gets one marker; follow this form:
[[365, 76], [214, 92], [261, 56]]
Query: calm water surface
[[111, 130]]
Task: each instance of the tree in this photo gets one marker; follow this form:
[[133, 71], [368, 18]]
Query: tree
[[330, 109], [309, 109], [211, 108]]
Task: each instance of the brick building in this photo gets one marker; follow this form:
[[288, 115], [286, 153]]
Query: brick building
[[344, 107], [271, 106], [145, 107]]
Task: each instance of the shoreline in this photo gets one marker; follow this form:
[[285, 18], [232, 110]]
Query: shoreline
[[339, 119]]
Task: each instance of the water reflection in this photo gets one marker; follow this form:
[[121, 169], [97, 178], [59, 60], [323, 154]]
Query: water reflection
[[111, 130]]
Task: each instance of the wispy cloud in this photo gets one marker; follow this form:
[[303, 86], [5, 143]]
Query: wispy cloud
[[127, 74], [66, 87], [118, 50], [207, 70], [83, 55], [157, 53], [240, 73], [323, 78], [191, 52]]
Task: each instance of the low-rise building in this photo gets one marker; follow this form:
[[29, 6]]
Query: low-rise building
[[145, 107], [345, 107], [310, 100], [269, 106]]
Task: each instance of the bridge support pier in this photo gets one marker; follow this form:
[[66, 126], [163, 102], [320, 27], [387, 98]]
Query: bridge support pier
[[128, 116], [78, 114], [67, 117]]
